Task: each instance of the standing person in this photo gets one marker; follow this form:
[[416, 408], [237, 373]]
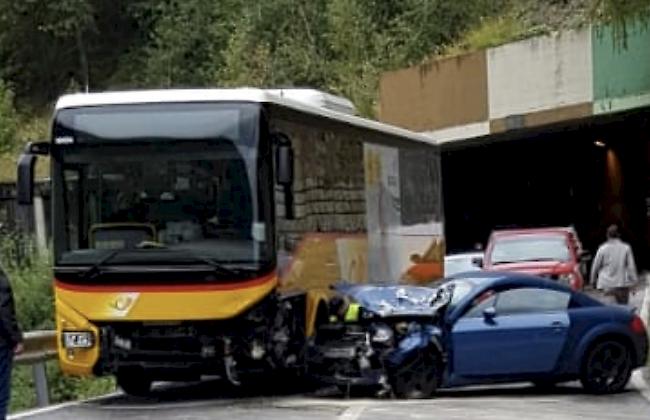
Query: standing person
[[11, 339], [614, 270]]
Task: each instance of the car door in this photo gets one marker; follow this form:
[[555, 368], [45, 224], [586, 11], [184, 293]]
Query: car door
[[523, 332]]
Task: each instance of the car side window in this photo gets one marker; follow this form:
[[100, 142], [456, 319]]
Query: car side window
[[529, 299], [485, 300]]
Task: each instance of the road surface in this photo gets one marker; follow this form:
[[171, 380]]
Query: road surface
[[208, 401]]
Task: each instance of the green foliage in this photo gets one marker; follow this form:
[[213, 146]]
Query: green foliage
[[62, 388], [186, 41], [31, 281], [52, 47], [30, 275], [8, 120], [490, 33], [44, 45]]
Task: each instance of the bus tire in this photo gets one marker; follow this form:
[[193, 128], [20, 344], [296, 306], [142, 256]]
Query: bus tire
[[137, 385]]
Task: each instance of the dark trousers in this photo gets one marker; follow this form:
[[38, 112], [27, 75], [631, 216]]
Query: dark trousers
[[6, 359]]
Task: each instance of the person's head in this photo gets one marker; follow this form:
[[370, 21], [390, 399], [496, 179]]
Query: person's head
[[613, 232]]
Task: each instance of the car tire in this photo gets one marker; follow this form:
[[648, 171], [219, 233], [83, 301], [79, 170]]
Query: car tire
[[607, 367], [417, 377], [134, 384]]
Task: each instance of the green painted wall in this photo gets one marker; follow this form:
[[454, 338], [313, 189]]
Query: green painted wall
[[621, 74]]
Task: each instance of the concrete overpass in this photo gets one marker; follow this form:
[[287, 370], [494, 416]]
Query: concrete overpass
[[545, 131]]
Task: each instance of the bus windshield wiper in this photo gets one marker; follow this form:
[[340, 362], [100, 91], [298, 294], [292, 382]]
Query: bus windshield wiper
[[216, 266], [96, 268]]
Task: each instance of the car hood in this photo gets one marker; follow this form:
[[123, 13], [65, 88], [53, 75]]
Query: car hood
[[535, 267], [393, 300]]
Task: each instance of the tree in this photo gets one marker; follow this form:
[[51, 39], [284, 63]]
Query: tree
[[186, 41], [277, 43], [44, 45], [8, 124]]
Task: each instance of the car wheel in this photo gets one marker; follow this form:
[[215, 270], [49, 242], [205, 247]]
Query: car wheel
[[138, 385], [417, 377], [607, 368]]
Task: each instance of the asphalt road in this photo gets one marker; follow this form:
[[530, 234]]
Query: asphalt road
[[209, 401]]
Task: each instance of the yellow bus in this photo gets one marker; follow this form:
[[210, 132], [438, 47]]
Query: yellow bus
[[196, 232]]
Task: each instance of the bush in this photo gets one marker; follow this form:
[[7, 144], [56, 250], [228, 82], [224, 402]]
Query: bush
[[8, 120], [62, 388], [30, 275]]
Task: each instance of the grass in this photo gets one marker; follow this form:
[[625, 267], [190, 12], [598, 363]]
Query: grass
[[30, 128], [30, 276], [62, 388], [490, 33]]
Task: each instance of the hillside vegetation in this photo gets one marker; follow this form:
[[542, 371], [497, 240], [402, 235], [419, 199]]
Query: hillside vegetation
[[48, 48]]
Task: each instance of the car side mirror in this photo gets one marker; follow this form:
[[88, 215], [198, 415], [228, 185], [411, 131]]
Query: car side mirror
[[478, 262], [489, 314]]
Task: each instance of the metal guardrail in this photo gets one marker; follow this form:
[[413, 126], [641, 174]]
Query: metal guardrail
[[40, 346]]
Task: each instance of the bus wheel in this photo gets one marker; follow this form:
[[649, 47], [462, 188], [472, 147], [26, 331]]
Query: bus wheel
[[137, 384]]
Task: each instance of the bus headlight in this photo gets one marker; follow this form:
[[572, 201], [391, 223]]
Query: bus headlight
[[78, 339]]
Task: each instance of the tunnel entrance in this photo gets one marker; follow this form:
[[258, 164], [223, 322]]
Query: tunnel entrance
[[587, 173]]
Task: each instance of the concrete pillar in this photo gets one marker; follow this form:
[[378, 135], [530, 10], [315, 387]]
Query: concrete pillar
[[40, 231]]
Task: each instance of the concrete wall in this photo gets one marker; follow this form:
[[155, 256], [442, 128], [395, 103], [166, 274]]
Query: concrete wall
[[534, 82], [438, 94], [539, 74], [621, 73]]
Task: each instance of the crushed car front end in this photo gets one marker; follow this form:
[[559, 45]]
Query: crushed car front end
[[394, 328]]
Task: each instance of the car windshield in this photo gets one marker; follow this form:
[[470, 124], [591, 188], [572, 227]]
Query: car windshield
[[530, 248], [460, 288]]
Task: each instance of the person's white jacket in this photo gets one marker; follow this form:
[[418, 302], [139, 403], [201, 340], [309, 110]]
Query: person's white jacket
[[614, 266]]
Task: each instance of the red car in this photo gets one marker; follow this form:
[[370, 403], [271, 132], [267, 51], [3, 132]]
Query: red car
[[548, 252]]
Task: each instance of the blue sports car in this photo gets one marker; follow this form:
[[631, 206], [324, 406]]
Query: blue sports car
[[476, 328]]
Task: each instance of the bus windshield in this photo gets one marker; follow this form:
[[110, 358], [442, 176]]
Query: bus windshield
[[160, 184]]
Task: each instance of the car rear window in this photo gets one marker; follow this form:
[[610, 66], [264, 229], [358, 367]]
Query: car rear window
[[530, 248]]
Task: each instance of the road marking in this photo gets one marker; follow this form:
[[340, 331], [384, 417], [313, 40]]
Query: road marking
[[50, 408], [353, 413], [640, 384]]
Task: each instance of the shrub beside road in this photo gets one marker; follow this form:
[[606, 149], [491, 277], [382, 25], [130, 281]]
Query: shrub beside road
[[31, 279]]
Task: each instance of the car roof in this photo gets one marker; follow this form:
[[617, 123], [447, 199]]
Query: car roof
[[531, 231]]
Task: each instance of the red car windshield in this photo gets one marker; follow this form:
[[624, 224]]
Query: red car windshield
[[524, 248]]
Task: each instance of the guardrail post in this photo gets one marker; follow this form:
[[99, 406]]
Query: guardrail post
[[40, 383]]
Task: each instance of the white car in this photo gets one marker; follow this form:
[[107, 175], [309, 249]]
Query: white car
[[459, 263]]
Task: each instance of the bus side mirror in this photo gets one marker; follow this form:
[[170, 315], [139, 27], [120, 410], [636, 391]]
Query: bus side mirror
[[284, 167], [25, 175], [284, 171]]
